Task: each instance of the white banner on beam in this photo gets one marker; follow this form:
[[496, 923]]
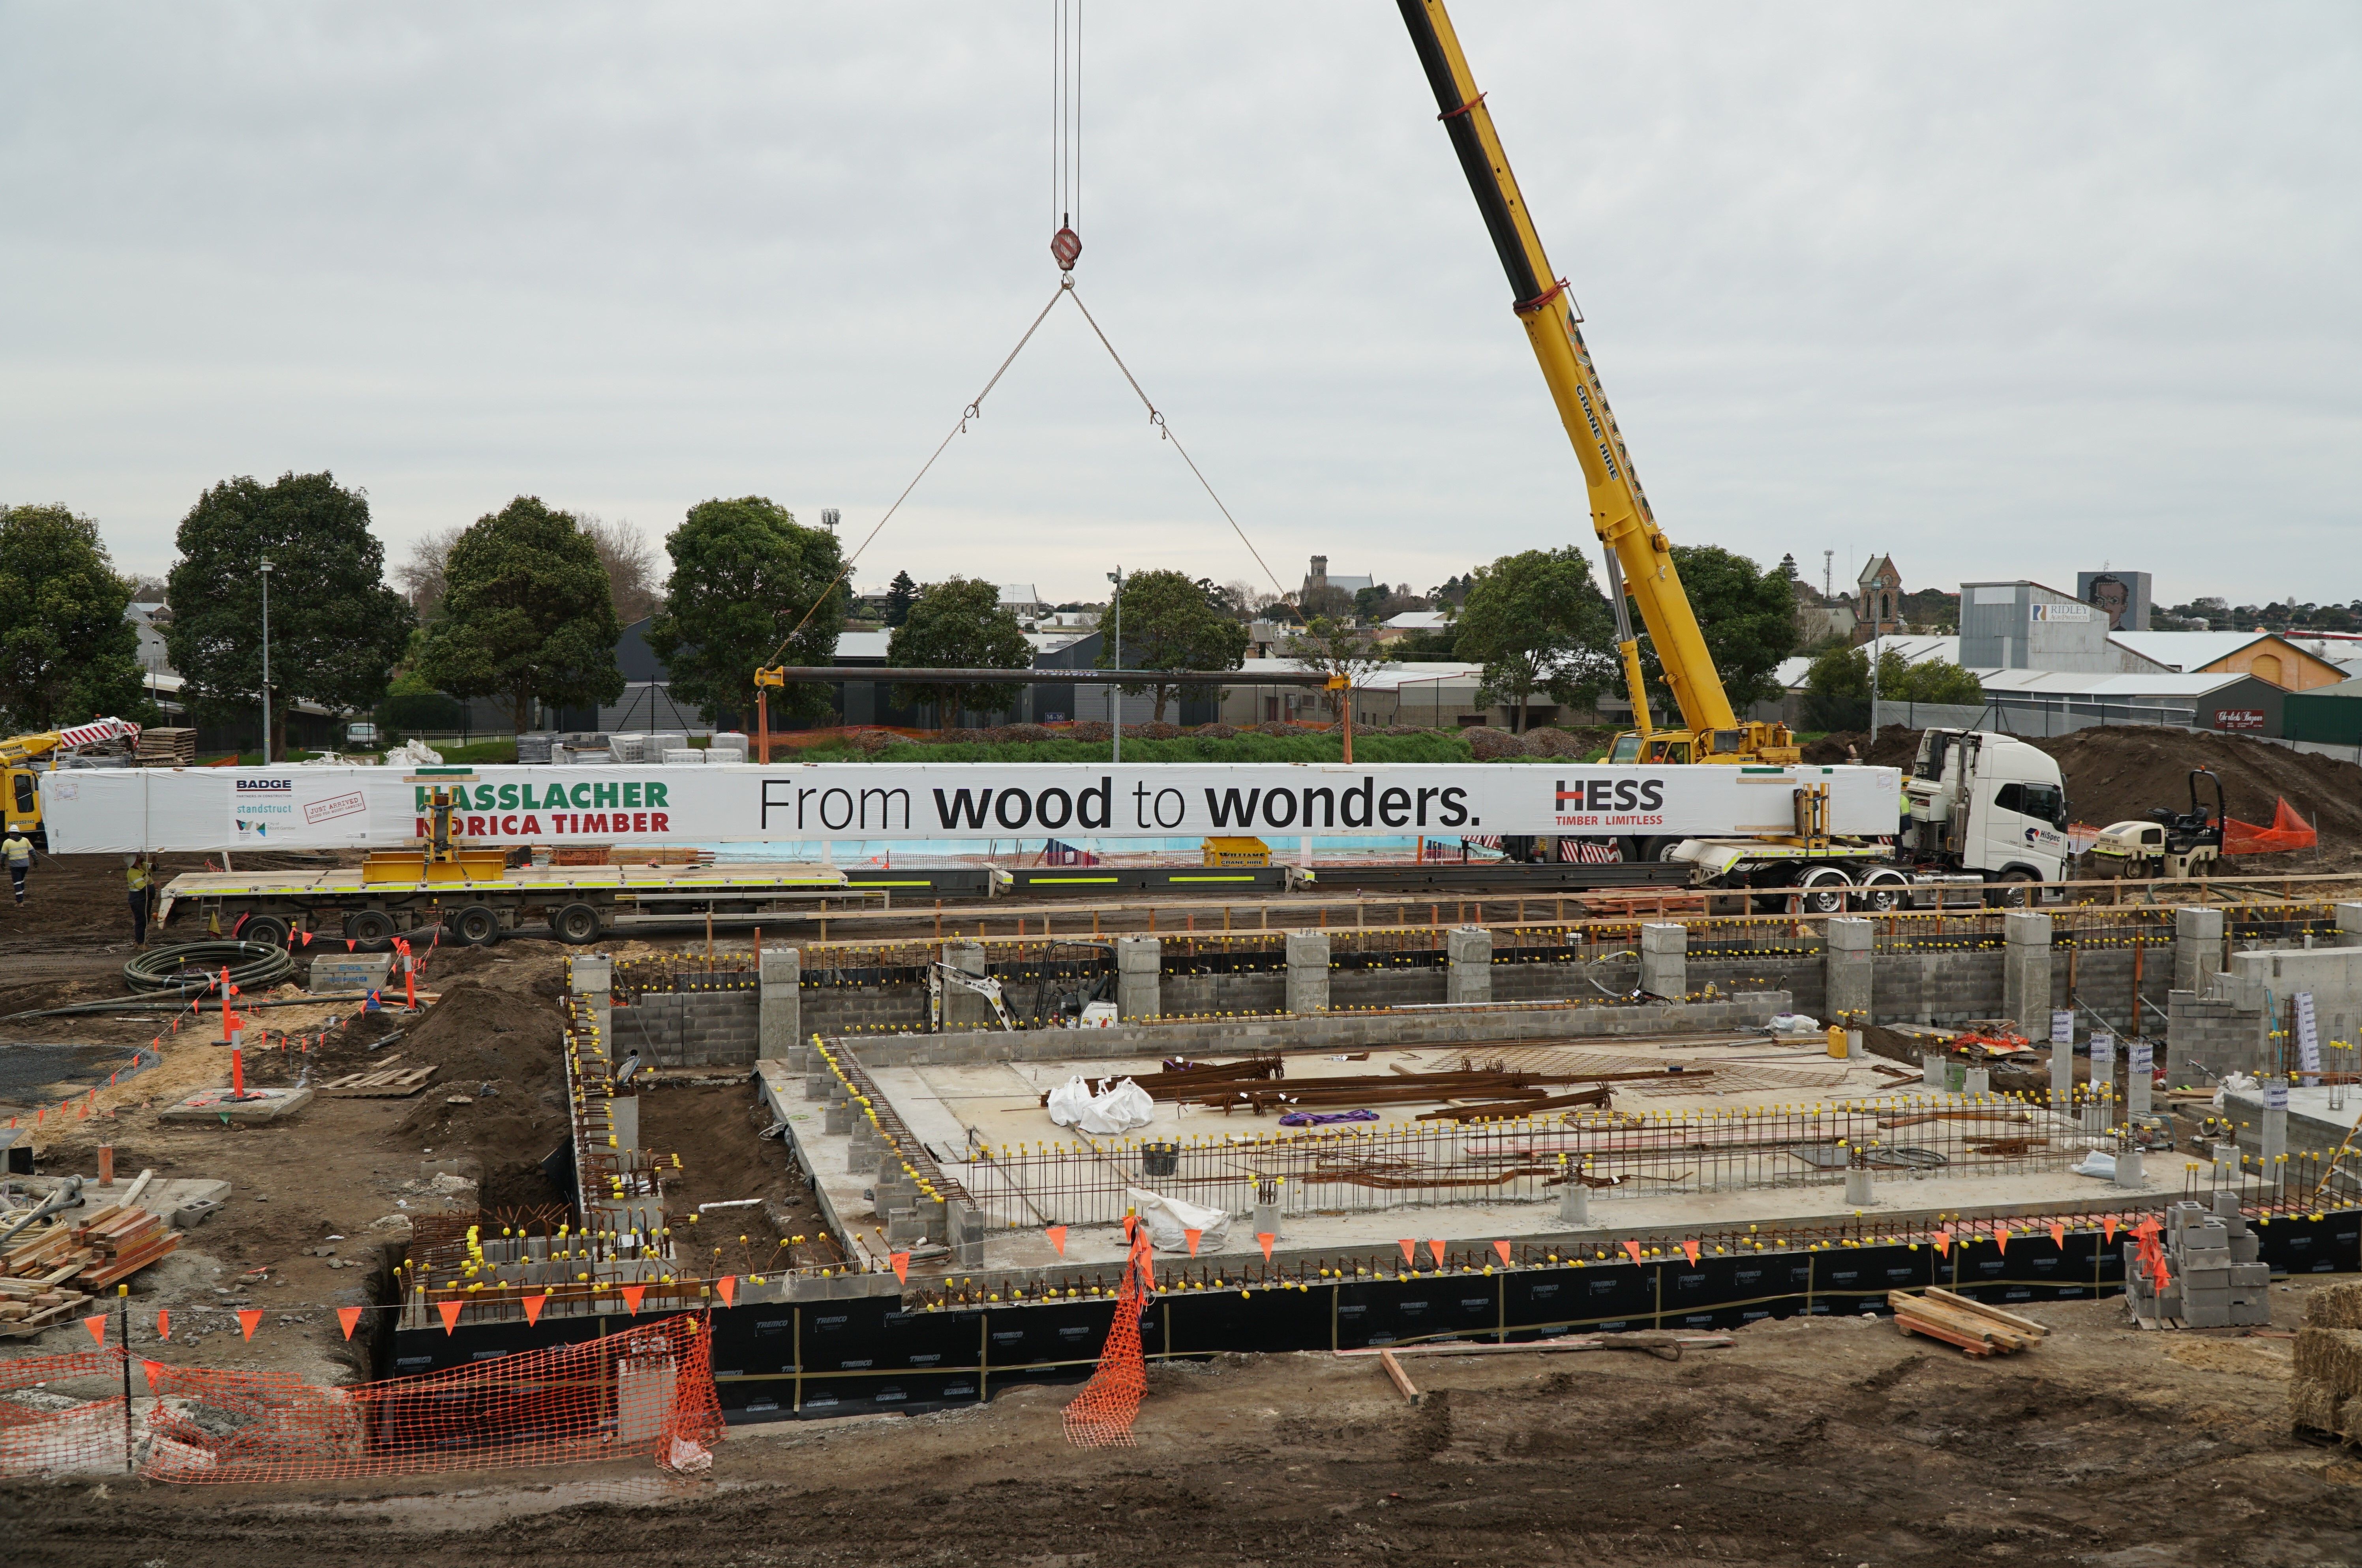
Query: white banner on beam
[[92, 811]]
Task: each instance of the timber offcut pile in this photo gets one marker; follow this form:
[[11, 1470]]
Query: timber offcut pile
[[96, 1251], [1974, 1327]]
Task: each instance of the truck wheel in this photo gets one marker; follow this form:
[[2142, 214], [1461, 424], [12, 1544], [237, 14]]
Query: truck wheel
[[2014, 890], [1881, 892], [476, 926], [1826, 890], [370, 929], [577, 923], [268, 930]]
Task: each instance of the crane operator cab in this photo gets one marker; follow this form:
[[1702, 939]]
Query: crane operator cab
[[1753, 742]]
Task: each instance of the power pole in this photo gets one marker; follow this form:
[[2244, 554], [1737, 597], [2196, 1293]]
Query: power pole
[[1115, 693], [266, 661]]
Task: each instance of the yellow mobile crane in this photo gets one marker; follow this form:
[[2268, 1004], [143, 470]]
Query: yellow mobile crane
[[1639, 558], [22, 758]]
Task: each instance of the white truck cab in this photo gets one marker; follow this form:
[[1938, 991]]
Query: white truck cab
[[1988, 803]]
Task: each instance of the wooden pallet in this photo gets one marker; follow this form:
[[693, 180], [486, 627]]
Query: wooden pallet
[[45, 1317], [383, 1083]]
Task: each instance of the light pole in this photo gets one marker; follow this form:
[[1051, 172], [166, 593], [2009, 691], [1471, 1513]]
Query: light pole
[[266, 661], [1115, 693]]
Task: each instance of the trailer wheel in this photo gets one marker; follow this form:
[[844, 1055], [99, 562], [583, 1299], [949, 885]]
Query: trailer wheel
[[2011, 890], [476, 926], [1826, 890], [372, 931], [577, 923], [1881, 892], [268, 930]]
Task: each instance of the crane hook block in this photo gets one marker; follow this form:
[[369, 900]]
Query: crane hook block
[[1066, 248]]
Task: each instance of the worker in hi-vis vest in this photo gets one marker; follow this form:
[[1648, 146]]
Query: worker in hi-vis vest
[[139, 876], [17, 851]]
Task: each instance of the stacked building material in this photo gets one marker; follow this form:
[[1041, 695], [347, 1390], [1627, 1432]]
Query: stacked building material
[[2325, 1396], [96, 1251], [2213, 1278], [1955, 1320], [161, 748], [29, 1306]]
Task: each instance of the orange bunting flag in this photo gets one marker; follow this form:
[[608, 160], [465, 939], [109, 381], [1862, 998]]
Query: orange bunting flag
[[1634, 1249], [351, 1317], [1435, 1251], [1057, 1235], [2108, 1227], [631, 1294], [902, 1267], [1502, 1248], [149, 1369], [2001, 1239], [250, 1319], [1690, 1249], [1130, 1223], [450, 1311], [1410, 1252], [1266, 1238], [2057, 1233], [163, 1325], [1943, 1243], [97, 1326], [727, 1287], [1192, 1237]]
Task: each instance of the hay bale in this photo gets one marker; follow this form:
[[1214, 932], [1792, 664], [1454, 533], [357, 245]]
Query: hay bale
[[2313, 1404], [2332, 1356], [2336, 1307]]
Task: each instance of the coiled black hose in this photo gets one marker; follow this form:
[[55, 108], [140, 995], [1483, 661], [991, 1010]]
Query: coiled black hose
[[192, 967]]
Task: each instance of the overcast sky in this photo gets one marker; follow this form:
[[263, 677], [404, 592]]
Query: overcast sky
[[2003, 290]]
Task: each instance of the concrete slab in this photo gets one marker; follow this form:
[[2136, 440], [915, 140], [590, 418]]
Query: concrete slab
[[261, 1106]]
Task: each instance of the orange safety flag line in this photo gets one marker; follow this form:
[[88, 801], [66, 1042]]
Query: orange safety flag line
[[163, 1324], [150, 1368], [1502, 1248], [901, 1262], [2108, 1227], [2001, 1239], [1634, 1249], [97, 1326], [1057, 1235], [1943, 1243], [631, 1294], [250, 1319], [727, 1287], [1410, 1252], [2057, 1234], [1192, 1237], [1691, 1250], [1435, 1251], [1266, 1238], [450, 1311], [350, 1317]]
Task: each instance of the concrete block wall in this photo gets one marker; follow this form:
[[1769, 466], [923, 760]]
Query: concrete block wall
[[856, 1009], [1946, 988], [1136, 977], [690, 1029], [1191, 995]]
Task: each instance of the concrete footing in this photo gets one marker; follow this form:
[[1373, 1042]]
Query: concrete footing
[[1665, 960]]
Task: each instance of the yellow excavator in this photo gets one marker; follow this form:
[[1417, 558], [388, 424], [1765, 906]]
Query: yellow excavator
[[1639, 558]]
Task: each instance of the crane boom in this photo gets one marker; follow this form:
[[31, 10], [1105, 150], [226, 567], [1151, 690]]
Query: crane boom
[[1620, 508]]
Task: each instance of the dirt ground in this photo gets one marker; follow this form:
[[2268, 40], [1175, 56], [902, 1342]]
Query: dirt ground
[[1805, 1442]]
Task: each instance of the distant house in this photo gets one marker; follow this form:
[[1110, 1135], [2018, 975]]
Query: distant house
[[1319, 579], [1396, 627], [1023, 600], [2267, 656]]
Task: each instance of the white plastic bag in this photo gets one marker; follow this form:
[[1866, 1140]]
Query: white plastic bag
[[1795, 1023], [412, 754], [2096, 1164], [1119, 1110], [1169, 1220], [1070, 1101]]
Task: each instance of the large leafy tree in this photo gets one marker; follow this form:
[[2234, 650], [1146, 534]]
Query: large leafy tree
[[750, 588], [1539, 624], [1171, 622], [336, 630], [66, 652], [959, 624], [1749, 618], [526, 613]]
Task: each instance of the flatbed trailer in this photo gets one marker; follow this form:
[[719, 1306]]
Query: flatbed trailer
[[576, 902]]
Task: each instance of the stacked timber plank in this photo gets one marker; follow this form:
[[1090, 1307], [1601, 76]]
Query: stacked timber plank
[[161, 748], [29, 1306], [95, 1251], [384, 1081], [2325, 1396], [1974, 1327]]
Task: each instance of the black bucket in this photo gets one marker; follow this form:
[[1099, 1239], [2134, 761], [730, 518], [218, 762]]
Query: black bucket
[[1160, 1159]]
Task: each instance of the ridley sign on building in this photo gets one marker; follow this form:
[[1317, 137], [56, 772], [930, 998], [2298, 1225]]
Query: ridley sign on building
[[92, 811]]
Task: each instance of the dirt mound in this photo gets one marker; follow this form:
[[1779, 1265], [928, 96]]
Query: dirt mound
[[2119, 772]]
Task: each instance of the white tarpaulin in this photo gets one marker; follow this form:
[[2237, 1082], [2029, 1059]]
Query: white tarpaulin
[[115, 811]]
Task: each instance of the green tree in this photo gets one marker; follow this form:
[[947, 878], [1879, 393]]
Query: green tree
[[750, 587], [1171, 622], [336, 630], [959, 623], [1335, 646], [901, 594], [66, 653], [1837, 690], [1749, 618], [1929, 680], [526, 613], [1539, 624]]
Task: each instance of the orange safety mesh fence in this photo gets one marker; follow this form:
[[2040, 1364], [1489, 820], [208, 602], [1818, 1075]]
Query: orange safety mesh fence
[[1101, 1415], [61, 1413], [2288, 831], [647, 1391]]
